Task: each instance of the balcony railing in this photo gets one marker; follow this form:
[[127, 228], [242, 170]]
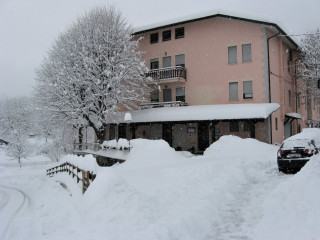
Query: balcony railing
[[168, 73], [162, 104]]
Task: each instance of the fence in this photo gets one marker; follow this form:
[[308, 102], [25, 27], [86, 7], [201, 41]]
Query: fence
[[86, 176]]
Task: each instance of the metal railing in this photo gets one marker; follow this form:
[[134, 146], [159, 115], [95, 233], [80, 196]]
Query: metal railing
[[168, 73], [162, 104]]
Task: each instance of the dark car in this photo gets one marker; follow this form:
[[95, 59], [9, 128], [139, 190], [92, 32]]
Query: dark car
[[294, 154]]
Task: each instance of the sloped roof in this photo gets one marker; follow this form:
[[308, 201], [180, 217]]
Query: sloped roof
[[207, 15], [200, 113]]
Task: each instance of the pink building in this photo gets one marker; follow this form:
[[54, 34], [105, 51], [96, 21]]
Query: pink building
[[218, 75]]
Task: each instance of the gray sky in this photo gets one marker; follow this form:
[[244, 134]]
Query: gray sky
[[29, 27]]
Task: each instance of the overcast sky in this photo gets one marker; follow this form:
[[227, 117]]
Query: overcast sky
[[29, 27]]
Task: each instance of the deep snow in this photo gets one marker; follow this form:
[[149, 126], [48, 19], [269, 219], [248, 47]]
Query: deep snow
[[233, 191]]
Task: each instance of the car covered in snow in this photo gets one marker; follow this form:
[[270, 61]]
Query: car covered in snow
[[294, 153]]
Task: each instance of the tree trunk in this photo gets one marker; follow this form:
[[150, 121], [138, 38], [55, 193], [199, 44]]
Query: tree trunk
[[80, 134]]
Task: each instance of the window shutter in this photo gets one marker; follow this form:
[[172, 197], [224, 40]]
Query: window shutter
[[232, 54], [180, 60], [246, 52], [233, 91], [166, 62]]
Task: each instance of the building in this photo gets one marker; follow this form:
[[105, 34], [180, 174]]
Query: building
[[217, 75]]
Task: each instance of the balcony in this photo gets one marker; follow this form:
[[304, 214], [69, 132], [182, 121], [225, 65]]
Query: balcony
[[170, 74], [162, 104]]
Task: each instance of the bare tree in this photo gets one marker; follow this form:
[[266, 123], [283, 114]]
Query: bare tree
[[93, 70], [309, 67], [15, 126]]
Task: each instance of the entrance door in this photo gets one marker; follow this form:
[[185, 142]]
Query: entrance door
[[287, 130], [122, 131], [203, 136], [167, 133]]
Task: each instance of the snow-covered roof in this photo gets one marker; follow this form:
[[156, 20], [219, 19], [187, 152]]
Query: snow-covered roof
[[201, 113], [294, 115], [212, 14]]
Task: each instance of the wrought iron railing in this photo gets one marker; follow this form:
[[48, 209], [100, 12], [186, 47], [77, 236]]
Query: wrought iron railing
[[167, 73], [162, 104]]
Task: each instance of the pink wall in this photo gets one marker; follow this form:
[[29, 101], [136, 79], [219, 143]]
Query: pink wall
[[205, 46]]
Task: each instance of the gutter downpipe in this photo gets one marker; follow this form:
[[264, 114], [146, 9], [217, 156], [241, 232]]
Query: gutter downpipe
[[269, 81]]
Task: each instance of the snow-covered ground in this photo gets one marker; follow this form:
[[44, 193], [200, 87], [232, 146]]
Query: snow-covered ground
[[233, 191]]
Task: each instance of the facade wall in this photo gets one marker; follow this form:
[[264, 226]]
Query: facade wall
[[205, 46]]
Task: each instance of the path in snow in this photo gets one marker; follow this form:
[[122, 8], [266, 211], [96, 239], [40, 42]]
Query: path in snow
[[12, 200], [240, 215]]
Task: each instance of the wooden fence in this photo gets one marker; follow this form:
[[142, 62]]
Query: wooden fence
[[86, 176]]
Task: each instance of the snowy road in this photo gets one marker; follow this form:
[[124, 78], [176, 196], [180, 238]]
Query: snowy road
[[241, 215], [12, 201]]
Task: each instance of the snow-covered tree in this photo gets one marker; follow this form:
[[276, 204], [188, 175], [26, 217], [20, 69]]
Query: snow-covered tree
[[93, 71], [309, 66], [15, 126], [55, 135]]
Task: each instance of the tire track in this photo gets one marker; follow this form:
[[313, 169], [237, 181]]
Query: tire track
[[25, 202]]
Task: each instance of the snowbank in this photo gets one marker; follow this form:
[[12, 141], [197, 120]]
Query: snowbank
[[292, 211], [87, 162], [308, 133], [159, 194]]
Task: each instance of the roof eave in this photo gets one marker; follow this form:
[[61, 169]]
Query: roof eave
[[282, 32]]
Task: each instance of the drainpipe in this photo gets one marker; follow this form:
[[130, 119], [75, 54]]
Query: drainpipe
[[269, 81], [295, 85]]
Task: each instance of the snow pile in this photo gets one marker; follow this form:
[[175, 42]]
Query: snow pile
[[109, 144], [121, 144], [87, 162], [308, 133], [159, 194], [292, 211]]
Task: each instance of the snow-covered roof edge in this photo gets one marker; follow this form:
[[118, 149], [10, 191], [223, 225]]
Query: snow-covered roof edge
[[207, 15], [199, 113]]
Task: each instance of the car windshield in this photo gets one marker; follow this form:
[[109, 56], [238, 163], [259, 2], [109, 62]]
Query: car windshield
[[296, 143]]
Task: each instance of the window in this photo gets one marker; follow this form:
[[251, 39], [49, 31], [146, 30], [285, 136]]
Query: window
[[154, 96], [191, 130], [289, 96], [276, 123], [154, 63], [247, 90], [167, 95], [234, 126], [232, 54], [112, 132], [166, 62], [246, 52], [154, 37], [180, 60], [233, 91], [166, 35], [122, 131], [248, 126], [179, 32], [180, 94]]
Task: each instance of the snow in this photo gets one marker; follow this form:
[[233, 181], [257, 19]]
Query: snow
[[308, 133], [292, 210], [294, 115], [210, 13], [202, 112], [233, 191]]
